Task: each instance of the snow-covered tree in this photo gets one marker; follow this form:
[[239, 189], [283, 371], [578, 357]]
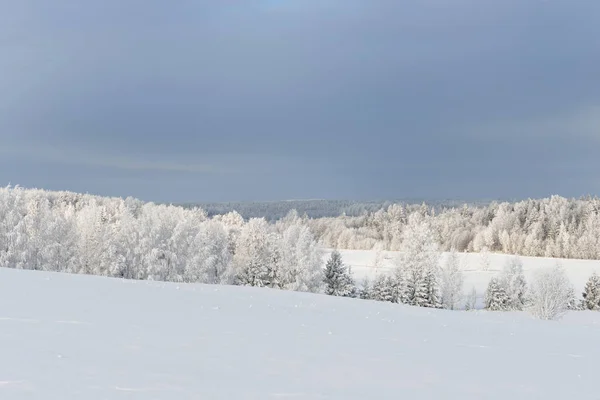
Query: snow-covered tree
[[77, 233], [383, 288], [554, 227], [378, 261], [418, 263], [397, 283], [338, 280], [471, 302], [302, 268], [574, 304], [591, 293], [433, 298], [551, 293], [496, 298], [365, 290], [485, 259], [210, 261], [252, 258], [513, 282], [451, 281]]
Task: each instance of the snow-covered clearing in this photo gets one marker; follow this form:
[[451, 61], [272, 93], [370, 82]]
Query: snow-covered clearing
[[362, 263], [83, 337]]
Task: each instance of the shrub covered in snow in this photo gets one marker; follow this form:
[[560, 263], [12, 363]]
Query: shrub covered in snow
[[551, 293]]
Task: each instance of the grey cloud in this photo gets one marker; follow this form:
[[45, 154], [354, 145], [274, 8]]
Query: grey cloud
[[384, 97], [80, 157], [576, 125]]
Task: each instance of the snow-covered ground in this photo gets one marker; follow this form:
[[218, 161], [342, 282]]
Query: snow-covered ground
[[363, 264], [79, 337]]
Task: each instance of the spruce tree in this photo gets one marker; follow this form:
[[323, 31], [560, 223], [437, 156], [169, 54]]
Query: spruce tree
[[432, 292], [495, 297], [418, 290], [365, 291], [382, 289], [378, 287], [419, 258], [397, 283], [338, 279], [513, 282], [591, 294], [573, 304]]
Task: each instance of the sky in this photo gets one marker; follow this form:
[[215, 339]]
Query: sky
[[244, 100]]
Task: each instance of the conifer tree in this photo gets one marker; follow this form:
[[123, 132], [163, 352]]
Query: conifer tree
[[416, 289], [495, 297], [338, 279], [382, 289], [365, 291], [573, 304], [432, 292], [398, 286], [513, 282], [591, 294], [419, 259]]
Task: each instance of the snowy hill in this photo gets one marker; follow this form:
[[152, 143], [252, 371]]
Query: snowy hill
[[82, 337]]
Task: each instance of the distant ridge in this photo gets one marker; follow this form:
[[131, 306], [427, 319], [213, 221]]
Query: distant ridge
[[321, 208]]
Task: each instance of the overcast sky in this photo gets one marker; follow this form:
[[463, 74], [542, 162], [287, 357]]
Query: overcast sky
[[195, 100]]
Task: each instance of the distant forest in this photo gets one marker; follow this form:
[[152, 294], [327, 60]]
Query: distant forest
[[276, 210], [550, 227], [206, 243]]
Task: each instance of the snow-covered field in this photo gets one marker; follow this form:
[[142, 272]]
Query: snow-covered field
[[363, 264], [79, 337]]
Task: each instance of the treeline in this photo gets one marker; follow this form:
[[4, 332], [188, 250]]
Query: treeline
[[126, 238], [419, 280], [275, 210], [76, 233], [551, 227]]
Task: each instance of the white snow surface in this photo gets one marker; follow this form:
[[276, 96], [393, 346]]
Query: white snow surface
[[83, 337]]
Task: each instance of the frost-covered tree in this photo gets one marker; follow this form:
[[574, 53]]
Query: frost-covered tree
[[383, 288], [253, 258], [433, 298], [397, 283], [265, 258], [496, 298], [69, 232], [418, 263], [365, 291], [378, 261], [275, 275], [210, 261], [471, 302], [574, 304], [301, 262], [553, 227], [513, 282], [451, 281], [338, 280], [591, 293], [485, 259], [551, 293]]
